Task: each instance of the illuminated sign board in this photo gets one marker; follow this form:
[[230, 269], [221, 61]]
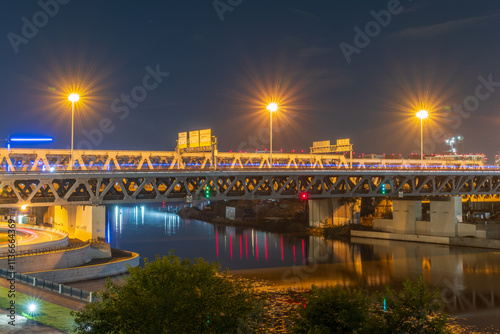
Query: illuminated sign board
[[194, 138], [183, 137]]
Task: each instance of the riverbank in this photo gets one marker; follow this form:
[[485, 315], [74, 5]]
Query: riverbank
[[449, 241], [280, 305], [285, 216]]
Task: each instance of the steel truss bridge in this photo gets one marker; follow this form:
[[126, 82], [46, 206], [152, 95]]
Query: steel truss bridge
[[36, 160], [113, 187]]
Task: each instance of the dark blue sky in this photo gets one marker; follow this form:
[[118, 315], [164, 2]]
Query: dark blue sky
[[331, 81]]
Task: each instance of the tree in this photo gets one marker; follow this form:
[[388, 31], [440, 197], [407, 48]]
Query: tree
[[172, 296]]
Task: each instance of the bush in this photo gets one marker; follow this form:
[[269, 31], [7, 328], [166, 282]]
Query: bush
[[415, 309], [174, 296], [333, 310]]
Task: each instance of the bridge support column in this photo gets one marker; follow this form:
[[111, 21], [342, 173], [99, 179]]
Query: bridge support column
[[405, 216], [330, 211], [82, 222], [445, 216]]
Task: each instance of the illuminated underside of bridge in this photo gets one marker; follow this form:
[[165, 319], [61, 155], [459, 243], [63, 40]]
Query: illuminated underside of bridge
[[92, 187]]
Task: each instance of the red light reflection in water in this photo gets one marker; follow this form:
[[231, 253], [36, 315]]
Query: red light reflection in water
[[241, 249], [293, 253], [303, 252], [282, 257], [231, 244], [217, 242], [265, 242], [246, 245]]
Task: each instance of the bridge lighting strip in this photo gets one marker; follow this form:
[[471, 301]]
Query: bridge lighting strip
[[31, 139]]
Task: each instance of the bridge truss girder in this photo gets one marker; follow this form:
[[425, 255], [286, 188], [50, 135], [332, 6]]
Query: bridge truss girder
[[26, 160], [88, 188]]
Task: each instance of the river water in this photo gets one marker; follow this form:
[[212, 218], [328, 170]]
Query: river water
[[467, 277]]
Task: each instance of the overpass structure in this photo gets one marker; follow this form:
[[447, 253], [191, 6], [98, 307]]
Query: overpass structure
[[76, 193], [37, 160], [113, 187]]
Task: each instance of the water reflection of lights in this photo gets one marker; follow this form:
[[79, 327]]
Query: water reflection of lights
[[271, 244]]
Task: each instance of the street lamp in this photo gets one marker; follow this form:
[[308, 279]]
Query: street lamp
[[73, 98], [272, 107], [422, 114]]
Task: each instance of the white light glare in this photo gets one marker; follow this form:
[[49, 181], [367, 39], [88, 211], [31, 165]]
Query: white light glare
[[32, 308]]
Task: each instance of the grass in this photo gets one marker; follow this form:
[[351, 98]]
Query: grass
[[48, 314]]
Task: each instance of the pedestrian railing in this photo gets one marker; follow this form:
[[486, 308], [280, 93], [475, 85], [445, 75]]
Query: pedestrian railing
[[49, 285]]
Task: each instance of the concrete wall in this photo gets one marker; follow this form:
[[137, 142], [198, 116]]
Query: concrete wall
[[82, 222], [423, 227], [466, 230], [384, 225], [402, 237], [445, 215], [330, 211], [101, 250], [320, 210], [50, 260], [91, 222], [405, 216], [88, 272]]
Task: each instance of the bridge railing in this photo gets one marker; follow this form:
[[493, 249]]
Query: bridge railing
[[49, 285]]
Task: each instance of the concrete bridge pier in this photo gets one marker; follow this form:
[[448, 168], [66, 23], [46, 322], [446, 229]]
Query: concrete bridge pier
[[329, 210], [445, 216], [83, 222], [405, 216]]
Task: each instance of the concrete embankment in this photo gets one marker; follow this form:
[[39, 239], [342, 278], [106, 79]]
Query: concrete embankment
[[115, 266], [49, 260], [451, 241]]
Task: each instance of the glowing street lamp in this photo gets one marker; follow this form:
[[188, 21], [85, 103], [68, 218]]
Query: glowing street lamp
[[73, 98], [32, 308], [422, 114], [272, 107]]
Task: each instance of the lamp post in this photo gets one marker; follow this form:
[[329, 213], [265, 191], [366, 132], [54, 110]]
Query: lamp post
[[73, 98], [422, 114], [272, 107]]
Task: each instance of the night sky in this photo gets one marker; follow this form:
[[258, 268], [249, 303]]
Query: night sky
[[338, 69]]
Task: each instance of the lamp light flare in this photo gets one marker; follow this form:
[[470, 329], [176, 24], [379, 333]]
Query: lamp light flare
[[32, 308], [24, 207], [272, 107], [74, 97], [422, 114]]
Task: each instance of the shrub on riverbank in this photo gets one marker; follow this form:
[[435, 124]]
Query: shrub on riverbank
[[415, 309]]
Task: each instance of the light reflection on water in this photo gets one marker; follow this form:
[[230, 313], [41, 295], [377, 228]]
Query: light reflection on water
[[467, 277]]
